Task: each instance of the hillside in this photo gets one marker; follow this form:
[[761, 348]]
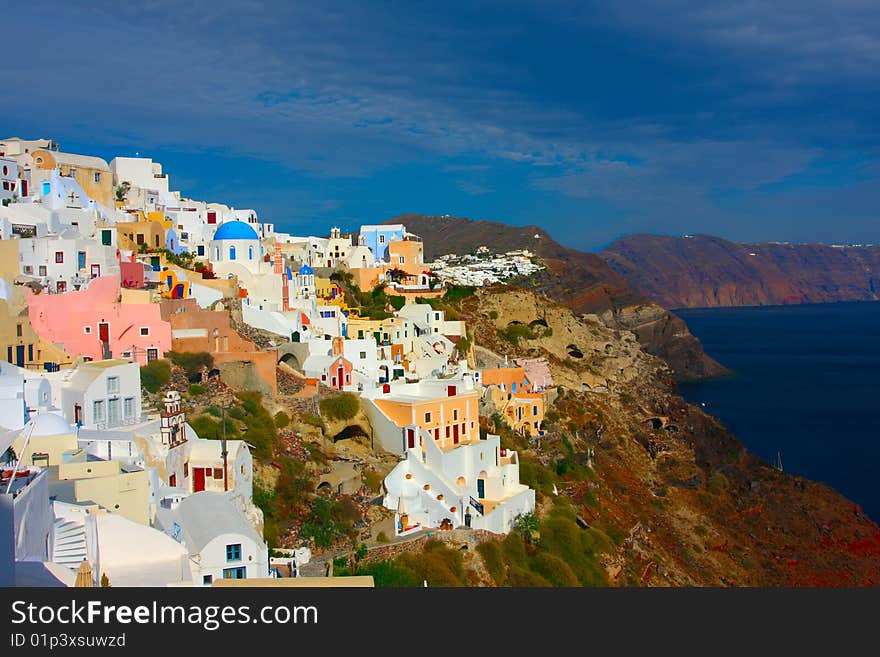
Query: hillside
[[635, 487], [705, 271], [582, 281]]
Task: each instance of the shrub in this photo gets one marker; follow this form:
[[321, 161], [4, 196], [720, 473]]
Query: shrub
[[516, 332], [493, 559], [493, 314], [341, 407], [382, 537], [312, 420], [455, 293], [374, 480], [192, 363], [330, 520], [156, 375], [282, 419], [196, 389], [216, 411]]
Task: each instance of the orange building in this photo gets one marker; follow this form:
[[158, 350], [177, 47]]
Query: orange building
[[448, 410], [194, 329]]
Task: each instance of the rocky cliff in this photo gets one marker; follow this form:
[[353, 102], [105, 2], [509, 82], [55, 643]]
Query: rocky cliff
[[704, 271], [582, 281], [680, 498]]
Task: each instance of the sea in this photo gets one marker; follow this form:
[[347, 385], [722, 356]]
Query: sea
[[804, 389]]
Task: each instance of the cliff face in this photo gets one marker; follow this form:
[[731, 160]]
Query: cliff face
[[582, 281], [683, 501], [704, 271]]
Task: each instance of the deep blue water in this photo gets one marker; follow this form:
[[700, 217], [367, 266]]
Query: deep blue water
[[805, 384]]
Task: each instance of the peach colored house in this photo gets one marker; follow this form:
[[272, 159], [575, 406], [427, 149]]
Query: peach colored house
[[447, 409], [509, 379], [93, 323], [195, 329]]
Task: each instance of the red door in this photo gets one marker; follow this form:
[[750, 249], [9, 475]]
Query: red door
[[198, 479], [410, 438], [104, 332], [455, 434], [340, 376], [450, 391], [24, 188]]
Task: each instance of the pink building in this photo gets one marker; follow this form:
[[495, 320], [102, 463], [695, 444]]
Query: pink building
[[94, 324]]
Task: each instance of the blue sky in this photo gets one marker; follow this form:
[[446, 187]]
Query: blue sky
[[749, 120]]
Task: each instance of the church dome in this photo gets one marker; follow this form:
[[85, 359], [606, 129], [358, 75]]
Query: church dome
[[50, 424], [305, 270], [235, 230]]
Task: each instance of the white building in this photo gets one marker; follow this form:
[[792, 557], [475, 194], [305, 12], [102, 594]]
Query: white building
[[220, 541], [103, 394], [472, 484], [429, 321], [127, 552], [66, 262]]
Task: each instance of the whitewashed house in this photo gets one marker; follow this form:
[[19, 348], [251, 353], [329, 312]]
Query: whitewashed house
[[221, 542], [474, 484], [101, 394]]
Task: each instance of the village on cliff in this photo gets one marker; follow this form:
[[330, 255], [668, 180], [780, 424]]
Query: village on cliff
[[105, 271]]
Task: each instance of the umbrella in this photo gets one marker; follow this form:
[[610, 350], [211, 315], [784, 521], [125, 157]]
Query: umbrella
[[84, 575]]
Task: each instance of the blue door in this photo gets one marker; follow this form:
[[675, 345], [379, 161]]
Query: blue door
[[81, 260], [481, 488], [19, 355]]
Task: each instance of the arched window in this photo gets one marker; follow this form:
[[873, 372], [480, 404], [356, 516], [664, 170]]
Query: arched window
[[250, 253], [232, 253], [216, 253]]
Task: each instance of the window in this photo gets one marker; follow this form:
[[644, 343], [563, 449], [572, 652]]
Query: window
[[128, 408], [87, 330], [98, 411], [28, 269], [186, 469], [534, 410], [232, 253], [105, 237], [427, 417], [455, 414], [42, 270], [18, 330], [200, 249], [363, 355], [218, 473], [59, 257], [140, 238], [381, 239], [126, 354], [152, 354], [97, 176], [235, 573], [207, 580], [112, 385], [250, 253], [145, 330], [233, 552], [401, 260]]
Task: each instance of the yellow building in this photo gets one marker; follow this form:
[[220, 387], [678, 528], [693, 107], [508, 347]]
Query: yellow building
[[124, 491], [47, 442], [19, 343], [133, 235], [92, 173], [445, 410], [525, 412]]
